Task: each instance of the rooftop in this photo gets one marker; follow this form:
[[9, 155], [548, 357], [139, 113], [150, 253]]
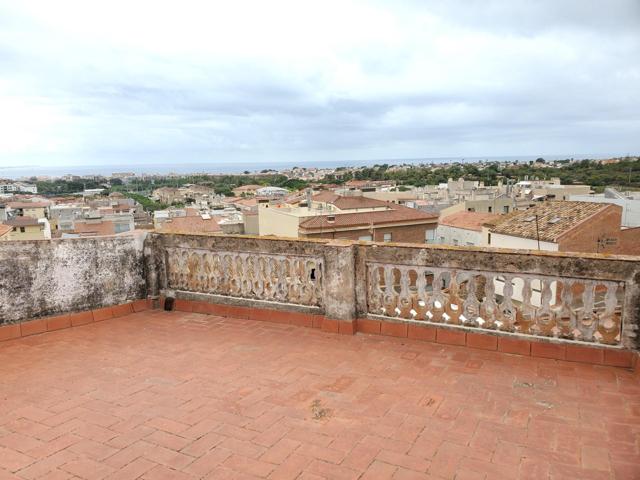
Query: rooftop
[[554, 219], [193, 224], [22, 222], [349, 203], [16, 205], [468, 220], [183, 396], [396, 214]]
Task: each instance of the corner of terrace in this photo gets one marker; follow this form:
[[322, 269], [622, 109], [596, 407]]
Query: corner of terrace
[[190, 356]]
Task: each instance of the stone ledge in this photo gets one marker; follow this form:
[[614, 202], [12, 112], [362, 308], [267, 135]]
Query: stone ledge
[[67, 320], [517, 345], [506, 343], [447, 335]]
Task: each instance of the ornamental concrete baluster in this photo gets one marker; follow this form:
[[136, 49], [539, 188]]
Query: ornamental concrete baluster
[[587, 320], [267, 285], [438, 299], [389, 300], [375, 294], [292, 278], [282, 280], [420, 303], [609, 323], [564, 314], [453, 305], [470, 306], [403, 308], [545, 318], [489, 307], [507, 309], [525, 315], [227, 274]]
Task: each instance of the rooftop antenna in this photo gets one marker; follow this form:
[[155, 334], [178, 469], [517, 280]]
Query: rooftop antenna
[[537, 232]]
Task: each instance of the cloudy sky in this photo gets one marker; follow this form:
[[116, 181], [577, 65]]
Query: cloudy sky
[[130, 82]]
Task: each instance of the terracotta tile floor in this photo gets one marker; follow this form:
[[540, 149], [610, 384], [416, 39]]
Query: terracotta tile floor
[[171, 395]]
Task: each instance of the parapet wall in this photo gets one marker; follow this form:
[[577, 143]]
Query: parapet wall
[[586, 299], [48, 277], [567, 299]]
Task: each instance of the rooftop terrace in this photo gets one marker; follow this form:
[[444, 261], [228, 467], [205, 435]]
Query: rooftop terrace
[[179, 395], [416, 361]]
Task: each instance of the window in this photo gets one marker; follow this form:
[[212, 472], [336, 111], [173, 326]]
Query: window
[[365, 237], [441, 239], [386, 237], [489, 239], [429, 235], [490, 208], [22, 229], [121, 227], [470, 244], [470, 209], [455, 241], [505, 209]]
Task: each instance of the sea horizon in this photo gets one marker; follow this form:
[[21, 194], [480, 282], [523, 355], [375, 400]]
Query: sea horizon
[[22, 171]]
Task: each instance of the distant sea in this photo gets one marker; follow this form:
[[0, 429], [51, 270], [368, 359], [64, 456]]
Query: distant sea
[[21, 171]]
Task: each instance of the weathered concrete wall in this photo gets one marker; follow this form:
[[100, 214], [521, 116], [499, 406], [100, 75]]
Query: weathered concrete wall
[[41, 278], [622, 269], [344, 288]]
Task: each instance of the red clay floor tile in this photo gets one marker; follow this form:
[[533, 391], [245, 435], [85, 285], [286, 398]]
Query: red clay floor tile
[[158, 394]]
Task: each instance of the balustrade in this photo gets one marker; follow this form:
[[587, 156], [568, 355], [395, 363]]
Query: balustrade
[[586, 310]]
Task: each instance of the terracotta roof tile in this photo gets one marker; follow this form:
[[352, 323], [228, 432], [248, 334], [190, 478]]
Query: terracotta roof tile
[[21, 222], [15, 205], [396, 214], [468, 220], [94, 229], [554, 219], [349, 203], [190, 224]]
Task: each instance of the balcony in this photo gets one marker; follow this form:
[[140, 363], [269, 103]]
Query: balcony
[[465, 363]]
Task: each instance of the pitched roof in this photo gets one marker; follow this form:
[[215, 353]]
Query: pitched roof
[[93, 228], [396, 214], [190, 225], [554, 219], [4, 229], [22, 222], [349, 202], [467, 220], [27, 205]]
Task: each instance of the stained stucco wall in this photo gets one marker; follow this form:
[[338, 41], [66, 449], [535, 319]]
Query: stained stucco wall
[[48, 277]]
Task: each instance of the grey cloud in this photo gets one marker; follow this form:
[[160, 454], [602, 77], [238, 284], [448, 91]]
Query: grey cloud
[[115, 103]]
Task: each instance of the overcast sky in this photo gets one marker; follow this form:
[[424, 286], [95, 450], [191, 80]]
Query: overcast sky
[[129, 82]]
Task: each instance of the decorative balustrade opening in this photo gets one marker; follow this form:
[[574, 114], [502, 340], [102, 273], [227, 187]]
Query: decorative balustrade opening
[[587, 310], [294, 279]]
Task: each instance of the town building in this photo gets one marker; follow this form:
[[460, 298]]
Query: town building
[[203, 223], [18, 187], [28, 228], [629, 201], [189, 193], [462, 228], [96, 224], [328, 215], [28, 209], [5, 230], [562, 226]]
